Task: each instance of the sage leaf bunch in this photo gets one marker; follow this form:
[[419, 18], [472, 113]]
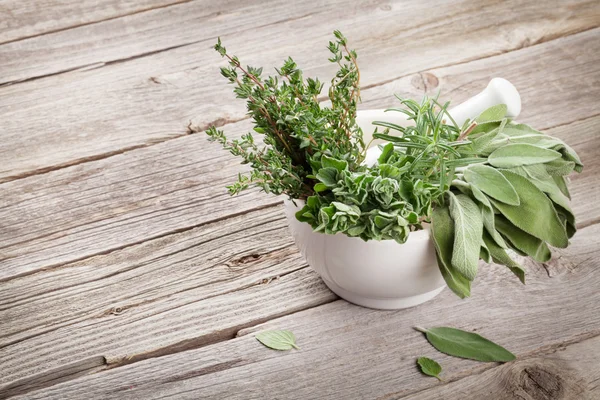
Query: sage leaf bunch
[[490, 189], [277, 339]]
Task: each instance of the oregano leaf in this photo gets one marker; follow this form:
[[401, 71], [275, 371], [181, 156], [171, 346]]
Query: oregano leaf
[[463, 344], [429, 367], [277, 339]]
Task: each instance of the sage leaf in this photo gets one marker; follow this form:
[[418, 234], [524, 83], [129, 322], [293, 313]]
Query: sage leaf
[[277, 340], [429, 367], [442, 230], [494, 113], [515, 155], [536, 214], [492, 182], [501, 257], [528, 244], [468, 227], [459, 343]]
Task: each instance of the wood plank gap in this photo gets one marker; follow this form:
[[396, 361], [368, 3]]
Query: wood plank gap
[[190, 130], [176, 3], [118, 248], [148, 53], [55, 376], [528, 44]]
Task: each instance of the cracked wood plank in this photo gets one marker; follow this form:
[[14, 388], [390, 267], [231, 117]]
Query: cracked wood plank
[[353, 352], [70, 118], [171, 294], [566, 373], [26, 19], [100, 206]]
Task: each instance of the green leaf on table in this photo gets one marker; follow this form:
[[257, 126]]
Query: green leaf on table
[[515, 155], [494, 113], [459, 343], [490, 181], [536, 214], [277, 340], [468, 227], [429, 367], [442, 232]]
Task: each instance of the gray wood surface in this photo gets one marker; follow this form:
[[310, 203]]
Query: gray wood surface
[[127, 271], [144, 99], [353, 352]]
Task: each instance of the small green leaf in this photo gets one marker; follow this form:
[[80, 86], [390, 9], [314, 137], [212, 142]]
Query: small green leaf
[[468, 228], [429, 367], [320, 187], [329, 162], [492, 182], [277, 340], [459, 343], [515, 155], [494, 113]]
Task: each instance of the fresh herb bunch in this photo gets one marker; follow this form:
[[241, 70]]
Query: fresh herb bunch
[[489, 188], [297, 131]]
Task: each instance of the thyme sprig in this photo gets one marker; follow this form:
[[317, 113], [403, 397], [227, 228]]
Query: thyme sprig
[[296, 129]]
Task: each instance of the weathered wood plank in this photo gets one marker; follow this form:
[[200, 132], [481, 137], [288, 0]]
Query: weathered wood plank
[[147, 99], [23, 19], [192, 22], [567, 373], [99, 206], [354, 352], [170, 294]]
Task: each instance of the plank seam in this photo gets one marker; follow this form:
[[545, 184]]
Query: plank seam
[[95, 22], [138, 242]]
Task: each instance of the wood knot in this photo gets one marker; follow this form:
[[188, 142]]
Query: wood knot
[[543, 379], [425, 81]]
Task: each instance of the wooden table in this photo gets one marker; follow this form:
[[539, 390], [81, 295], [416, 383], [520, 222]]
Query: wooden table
[[128, 272]]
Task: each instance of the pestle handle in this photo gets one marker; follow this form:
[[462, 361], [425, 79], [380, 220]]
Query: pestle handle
[[498, 91]]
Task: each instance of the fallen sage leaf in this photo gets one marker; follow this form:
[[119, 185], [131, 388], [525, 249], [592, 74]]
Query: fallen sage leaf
[[459, 343]]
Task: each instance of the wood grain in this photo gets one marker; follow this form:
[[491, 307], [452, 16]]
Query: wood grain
[[354, 352], [179, 292], [89, 114], [567, 373], [100, 206], [25, 19], [201, 20]]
